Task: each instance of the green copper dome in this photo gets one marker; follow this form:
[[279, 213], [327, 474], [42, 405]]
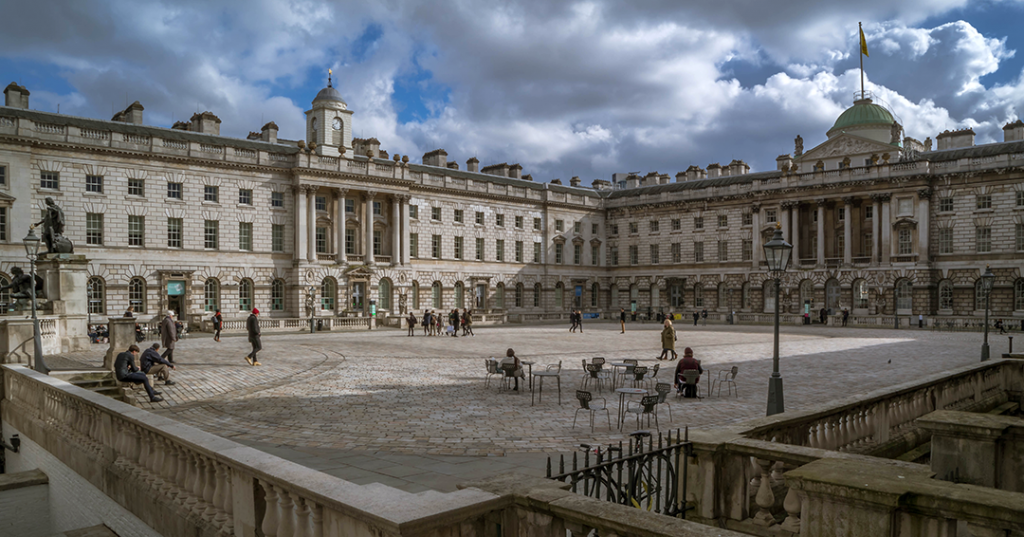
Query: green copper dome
[[863, 112]]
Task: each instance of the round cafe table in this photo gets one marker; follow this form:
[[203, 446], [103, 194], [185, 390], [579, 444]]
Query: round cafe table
[[623, 392]]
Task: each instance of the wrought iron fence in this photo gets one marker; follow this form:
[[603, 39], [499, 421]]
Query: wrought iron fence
[[645, 476]]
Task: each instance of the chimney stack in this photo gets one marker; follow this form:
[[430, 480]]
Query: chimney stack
[[269, 133], [16, 96], [956, 139], [206, 123], [575, 181], [515, 171], [437, 157], [473, 165], [1013, 132]]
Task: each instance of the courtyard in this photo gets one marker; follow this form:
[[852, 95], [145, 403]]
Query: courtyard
[[415, 413]]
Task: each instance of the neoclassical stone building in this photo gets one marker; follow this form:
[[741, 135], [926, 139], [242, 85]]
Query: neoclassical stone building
[[187, 219]]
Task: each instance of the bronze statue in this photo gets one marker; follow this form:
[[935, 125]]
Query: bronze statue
[[53, 229]]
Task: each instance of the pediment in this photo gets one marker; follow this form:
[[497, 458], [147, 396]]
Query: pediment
[[359, 270], [846, 145]]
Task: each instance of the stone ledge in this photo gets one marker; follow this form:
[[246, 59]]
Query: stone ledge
[[19, 480]]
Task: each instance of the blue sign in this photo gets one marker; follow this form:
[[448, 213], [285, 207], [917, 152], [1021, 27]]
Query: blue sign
[[591, 315], [175, 288], [579, 290]]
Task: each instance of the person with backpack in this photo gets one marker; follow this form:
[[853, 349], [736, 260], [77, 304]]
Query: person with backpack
[[218, 323]]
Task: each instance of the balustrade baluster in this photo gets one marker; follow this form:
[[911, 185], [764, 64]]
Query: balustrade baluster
[[285, 513], [209, 487], [755, 482], [192, 487], [316, 517], [270, 515], [134, 452], [169, 470], [301, 517], [792, 506], [220, 474], [157, 460], [765, 499], [181, 479]]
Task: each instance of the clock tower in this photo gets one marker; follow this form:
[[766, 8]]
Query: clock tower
[[329, 123]]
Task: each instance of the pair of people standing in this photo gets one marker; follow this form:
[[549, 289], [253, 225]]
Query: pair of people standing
[[576, 317]]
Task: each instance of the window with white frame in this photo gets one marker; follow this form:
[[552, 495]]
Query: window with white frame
[[536, 252], [96, 294], [136, 230], [655, 254], [458, 247], [499, 249], [655, 225], [677, 252], [577, 254], [328, 294], [634, 254], [137, 187], [174, 191], [946, 295], [137, 294], [479, 249], [983, 201], [277, 199], [245, 295], [321, 239], [211, 294], [1018, 295], [94, 184], [211, 193], [211, 234], [245, 198], [276, 238], [49, 180], [277, 295], [983, 239], [698, 252], [174, 232], [519, 251], [94, 229], [905, 244], [723, 250], [944, 239], [748, 250], [414, 240], [435, 247]]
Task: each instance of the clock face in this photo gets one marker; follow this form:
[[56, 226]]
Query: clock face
[[337, 124]]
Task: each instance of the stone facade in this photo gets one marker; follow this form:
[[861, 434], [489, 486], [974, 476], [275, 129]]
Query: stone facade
[[186, 219]]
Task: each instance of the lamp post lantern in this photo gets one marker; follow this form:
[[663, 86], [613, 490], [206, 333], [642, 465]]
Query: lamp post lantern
[[987, 279], [776, 252], [32, 243]]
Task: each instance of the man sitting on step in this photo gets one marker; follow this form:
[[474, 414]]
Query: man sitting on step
[[152, 363], [125, 371]]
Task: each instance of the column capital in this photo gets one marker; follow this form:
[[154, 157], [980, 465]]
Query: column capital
[[755, 208], [342, 192], [821, 202], [310, 189], [884, 197], [848, 200], [369, 194], [924, 193], [787, 204]]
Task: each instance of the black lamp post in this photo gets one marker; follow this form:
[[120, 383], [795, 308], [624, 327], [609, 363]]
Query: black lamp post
[[32, 243], [776, 252], [987, 279]]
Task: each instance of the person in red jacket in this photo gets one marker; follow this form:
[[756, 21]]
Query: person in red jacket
[[688, 362]]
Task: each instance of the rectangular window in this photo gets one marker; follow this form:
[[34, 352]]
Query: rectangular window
[[136, 230], [458, 216], [3, 223], [839, 245], [905, 245], [577, 227], [698, 222], [210, 193], [723, 250], [519, 251], [435, 246], [245, 198], [945, 240], [536, 224], [458, 247], [414, 212], [983, 201], [868, 243], [577, 254], [414, 245], [1019, 244], [174, 191], [435, 213], [499, 247], [677, 252], [655, 254], [559, 250], [350, 241], [319, 202], [595, 255], [842, 214], [245, 237], [519, 222], [634, 254], [378, 209], [677, 224], [655, 225], [615, 229], [94, 229], [595, 229], [698, 252], [94, 184], [771, 216], [277, 199], [136, 187], [614, 254], [983, 239], [536, 252], [634, 227], [3, 175], [277, 238], [723, 220], [1020, 197], [350, 206], [869, 212], [378, 242], [748, 219], [748, 249], [479, 249], [559, 225], [479, 218], [321, 240], [499, 220], [49, 180], [211, 234], [174, 232]]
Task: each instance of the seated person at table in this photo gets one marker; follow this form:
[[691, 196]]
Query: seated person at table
[[125, 371], [688, 362], [510, 358]]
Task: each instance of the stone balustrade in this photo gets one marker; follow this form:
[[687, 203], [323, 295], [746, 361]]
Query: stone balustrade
[[290, 324]]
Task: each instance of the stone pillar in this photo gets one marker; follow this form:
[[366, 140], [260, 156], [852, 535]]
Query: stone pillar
[[784, 208], [923, 221], [339, 227], [311, 223], [848, 231], [405, 230], [368, 229], [122, 336], [65, 278], [876, 217], [755, 236], [820, 254], [886, 229], [794, 237], [396, 229], [300, 222]]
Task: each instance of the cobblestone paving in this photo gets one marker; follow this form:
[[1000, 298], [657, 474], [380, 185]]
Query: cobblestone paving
[[415, 412]]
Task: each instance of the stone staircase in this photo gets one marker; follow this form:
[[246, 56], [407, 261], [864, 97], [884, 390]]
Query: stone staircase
[[25, 500], [97, 381]]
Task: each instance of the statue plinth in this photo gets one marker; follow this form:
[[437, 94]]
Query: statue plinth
[[65, 279]]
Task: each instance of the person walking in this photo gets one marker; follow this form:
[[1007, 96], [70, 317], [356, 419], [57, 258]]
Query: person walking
[[846, 316], [823, 316], [622, 319], [426, 322], [218, 323], [453, 319], [411, 321], [579, 320], [168, 335], [696, 317], [438, 325], [467, 319], [999, 325], [125, 371], [668, 341], [704, 317], [572, 320], [252, 327]]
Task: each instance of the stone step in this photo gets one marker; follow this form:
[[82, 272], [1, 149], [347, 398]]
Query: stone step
[[82, 375], [92, 531]]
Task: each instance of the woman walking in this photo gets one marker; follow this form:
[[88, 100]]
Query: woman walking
[[467, 321], [218, 323], [668, 341]]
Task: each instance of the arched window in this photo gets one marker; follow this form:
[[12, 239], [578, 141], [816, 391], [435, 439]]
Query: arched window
[[769, 296], [946, 295], [634, 296], [211, 294], [595, 294], [245, 295], [536, 295], [519, 295], [5, 295], [832, 295], [745, 296], [277, 295], [435, 295], [499, 296], [415, 295], [328, 293], [459, 295], [721, 298], [806, 296], [698, 295], [137, 294], [384, 294], [559, 296], [1018, 295], [979, 295], [96, 293], [904, 296], [615, 297], [860, 294]]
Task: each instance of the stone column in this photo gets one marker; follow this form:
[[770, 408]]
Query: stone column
[[847, 231], [405, 229], [820, 254], [368, 228], [300, 222], [886, 228], [923, 221], [876, 217], [794, 239], [755, 236], [784, 208], [339, 227], [311, 223], [396, 229]]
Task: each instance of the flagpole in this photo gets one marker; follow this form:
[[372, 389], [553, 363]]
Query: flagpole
[[861, 49]]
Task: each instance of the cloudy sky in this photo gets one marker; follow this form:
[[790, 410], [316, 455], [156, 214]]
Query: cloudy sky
[[564, 88]]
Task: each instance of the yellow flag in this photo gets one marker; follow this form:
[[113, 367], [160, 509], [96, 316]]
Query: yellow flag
[[863, 43]]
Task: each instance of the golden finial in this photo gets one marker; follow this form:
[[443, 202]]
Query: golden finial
[[329, 73]]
